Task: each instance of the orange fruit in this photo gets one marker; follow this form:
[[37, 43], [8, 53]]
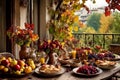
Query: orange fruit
[[28, 69]]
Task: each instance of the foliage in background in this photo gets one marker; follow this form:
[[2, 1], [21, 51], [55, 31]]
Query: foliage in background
[[105, 22], [87, 29], [63, 21], [94, 21], [115, 26]]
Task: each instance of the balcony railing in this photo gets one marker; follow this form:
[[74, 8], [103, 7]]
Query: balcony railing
[[89, 39]]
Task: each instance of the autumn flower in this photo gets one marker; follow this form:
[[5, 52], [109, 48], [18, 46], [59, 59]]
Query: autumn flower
[[49, 46], [23, 36]]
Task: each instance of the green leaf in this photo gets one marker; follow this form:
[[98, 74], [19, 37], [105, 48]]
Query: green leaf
[[51, 30]]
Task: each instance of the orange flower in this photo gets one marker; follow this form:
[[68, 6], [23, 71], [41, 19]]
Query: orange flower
[[34, 37]]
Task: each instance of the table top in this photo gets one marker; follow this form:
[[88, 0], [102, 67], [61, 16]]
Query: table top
[[70, 76]]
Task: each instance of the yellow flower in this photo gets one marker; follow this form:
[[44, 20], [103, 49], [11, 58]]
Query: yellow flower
[[76, 18], [76, 28]]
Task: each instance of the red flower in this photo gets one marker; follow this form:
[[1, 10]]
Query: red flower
[[29, 26]]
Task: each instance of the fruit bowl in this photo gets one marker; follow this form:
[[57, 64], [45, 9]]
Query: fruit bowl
[[15, 67], [6, 54], [87, 71]]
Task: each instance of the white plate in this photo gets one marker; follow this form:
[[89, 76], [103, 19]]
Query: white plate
[[49, 74], [82, 74]]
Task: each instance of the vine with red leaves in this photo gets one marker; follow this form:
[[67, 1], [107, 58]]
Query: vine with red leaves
[[112, 5]]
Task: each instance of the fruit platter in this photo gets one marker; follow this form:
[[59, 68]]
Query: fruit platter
[[87, 70], [14, 67], [49, 70], [104, 64]]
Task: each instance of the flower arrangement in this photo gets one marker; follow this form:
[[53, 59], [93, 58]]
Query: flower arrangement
[[50, 46], [23, 36]]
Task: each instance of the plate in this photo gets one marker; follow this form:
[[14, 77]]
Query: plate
[[106, 67], [82, 74], [106, 64], [49, 74]]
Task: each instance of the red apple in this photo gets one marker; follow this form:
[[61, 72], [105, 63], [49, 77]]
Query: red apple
[[5, 62], [21, 62], [16, 67]]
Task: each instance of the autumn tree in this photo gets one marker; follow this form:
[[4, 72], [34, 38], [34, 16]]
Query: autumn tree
[[105, 22], [62, 18], [94, 21], [115, 26]]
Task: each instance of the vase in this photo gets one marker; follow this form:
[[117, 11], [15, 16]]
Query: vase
[[53, 58], [24, 52], [32, 54]]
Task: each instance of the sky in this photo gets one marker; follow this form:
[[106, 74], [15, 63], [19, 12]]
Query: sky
[[99, 3]]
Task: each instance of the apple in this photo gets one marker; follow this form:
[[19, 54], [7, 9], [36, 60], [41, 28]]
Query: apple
[[2, 67], [14, 62], [16, 67], [5, 62], [21, 62], [18, 72], [2, 58], [5, 69], [10, 59]]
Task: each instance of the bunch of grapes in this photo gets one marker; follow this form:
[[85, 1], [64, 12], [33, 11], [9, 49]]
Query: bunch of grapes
[[108, 55], [91, 56], [87, 69], [100, 56]]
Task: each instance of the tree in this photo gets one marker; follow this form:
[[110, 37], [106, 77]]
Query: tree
[[105, 22], [94, 21], [62, 18], [115, 26]]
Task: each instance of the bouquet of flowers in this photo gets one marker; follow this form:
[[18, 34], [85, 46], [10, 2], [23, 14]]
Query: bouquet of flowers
[[50, 46], [23, 36]]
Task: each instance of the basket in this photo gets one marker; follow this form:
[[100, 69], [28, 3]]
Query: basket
[[6, 54], [115, 48]]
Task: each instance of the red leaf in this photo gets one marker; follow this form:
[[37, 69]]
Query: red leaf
[[107, 11], [29, 26], [108, 1], [118, 7]]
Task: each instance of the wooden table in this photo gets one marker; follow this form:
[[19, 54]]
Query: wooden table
[[70, 76]]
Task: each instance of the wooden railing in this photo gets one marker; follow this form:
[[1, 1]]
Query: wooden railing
[[89, 39]]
